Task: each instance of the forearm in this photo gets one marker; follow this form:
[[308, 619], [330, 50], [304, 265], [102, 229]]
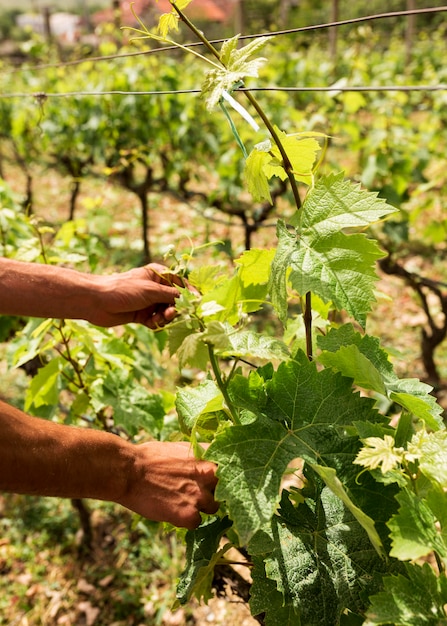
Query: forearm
[[43, 458], [36, 290]]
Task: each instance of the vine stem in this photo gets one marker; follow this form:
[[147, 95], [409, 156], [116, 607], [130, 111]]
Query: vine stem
[[285, 159], [307, 316], [255, 104], [220, 384]]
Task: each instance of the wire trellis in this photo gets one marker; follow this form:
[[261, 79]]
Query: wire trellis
[[41, 95]]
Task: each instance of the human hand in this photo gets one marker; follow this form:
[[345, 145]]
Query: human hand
[[145, 295], [169, 485]]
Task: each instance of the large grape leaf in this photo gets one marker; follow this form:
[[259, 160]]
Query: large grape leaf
[[322, 257], [417, 599], [303, 414], [320, 558], [266, 599]]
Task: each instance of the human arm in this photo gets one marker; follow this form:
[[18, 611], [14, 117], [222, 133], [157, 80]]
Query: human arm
[[160, 481], [145, 295]]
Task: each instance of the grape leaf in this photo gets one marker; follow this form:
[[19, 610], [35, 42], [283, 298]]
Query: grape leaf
[[336, 203], [362, 358], [237, 67], [432, 449], [201, 555], [319, 556], [304, 415], [45, 386], [325, 260], [255, 176], [329, 476], [250, 344], [417, 599], [193, 352], [134, 408], [234, 298], [265, 598], [351, 362], [255, 266], [413, 529], [192, 402], [369, 346], [301, 151]]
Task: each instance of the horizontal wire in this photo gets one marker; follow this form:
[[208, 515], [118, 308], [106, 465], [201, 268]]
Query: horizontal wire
[[42, 95], [300, 29]]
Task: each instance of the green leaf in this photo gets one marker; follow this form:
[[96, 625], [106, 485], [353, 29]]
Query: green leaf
[[336, 203], [329, 476], [134, 408], [232, 299], [337, 266], [237, 67], [369, 346], [202, 555], [255, 176], [417, 599], [319, 556], [193, 352], [351, 362], [192, 402], [265, 598], [205, 277], [413, 529], [301, 151], [303, 415], [45, 386], [178, 332], [255, 266], [418, 401], [432, 449], [250, 344], [410, 393]]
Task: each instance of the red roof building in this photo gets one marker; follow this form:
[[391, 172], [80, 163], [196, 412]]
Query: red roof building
[[198, 10]]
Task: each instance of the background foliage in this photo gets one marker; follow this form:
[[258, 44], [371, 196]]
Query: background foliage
[[159, 147]]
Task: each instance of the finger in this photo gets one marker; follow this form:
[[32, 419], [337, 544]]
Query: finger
[[161, 273], [209, 505]]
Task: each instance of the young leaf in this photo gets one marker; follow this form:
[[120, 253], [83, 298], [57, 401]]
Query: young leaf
[[237, 68], [134, 408], [381, 453], [250, 344], [255, 176], [301, 151], [255, 266], [431, 450], [45, 386]]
